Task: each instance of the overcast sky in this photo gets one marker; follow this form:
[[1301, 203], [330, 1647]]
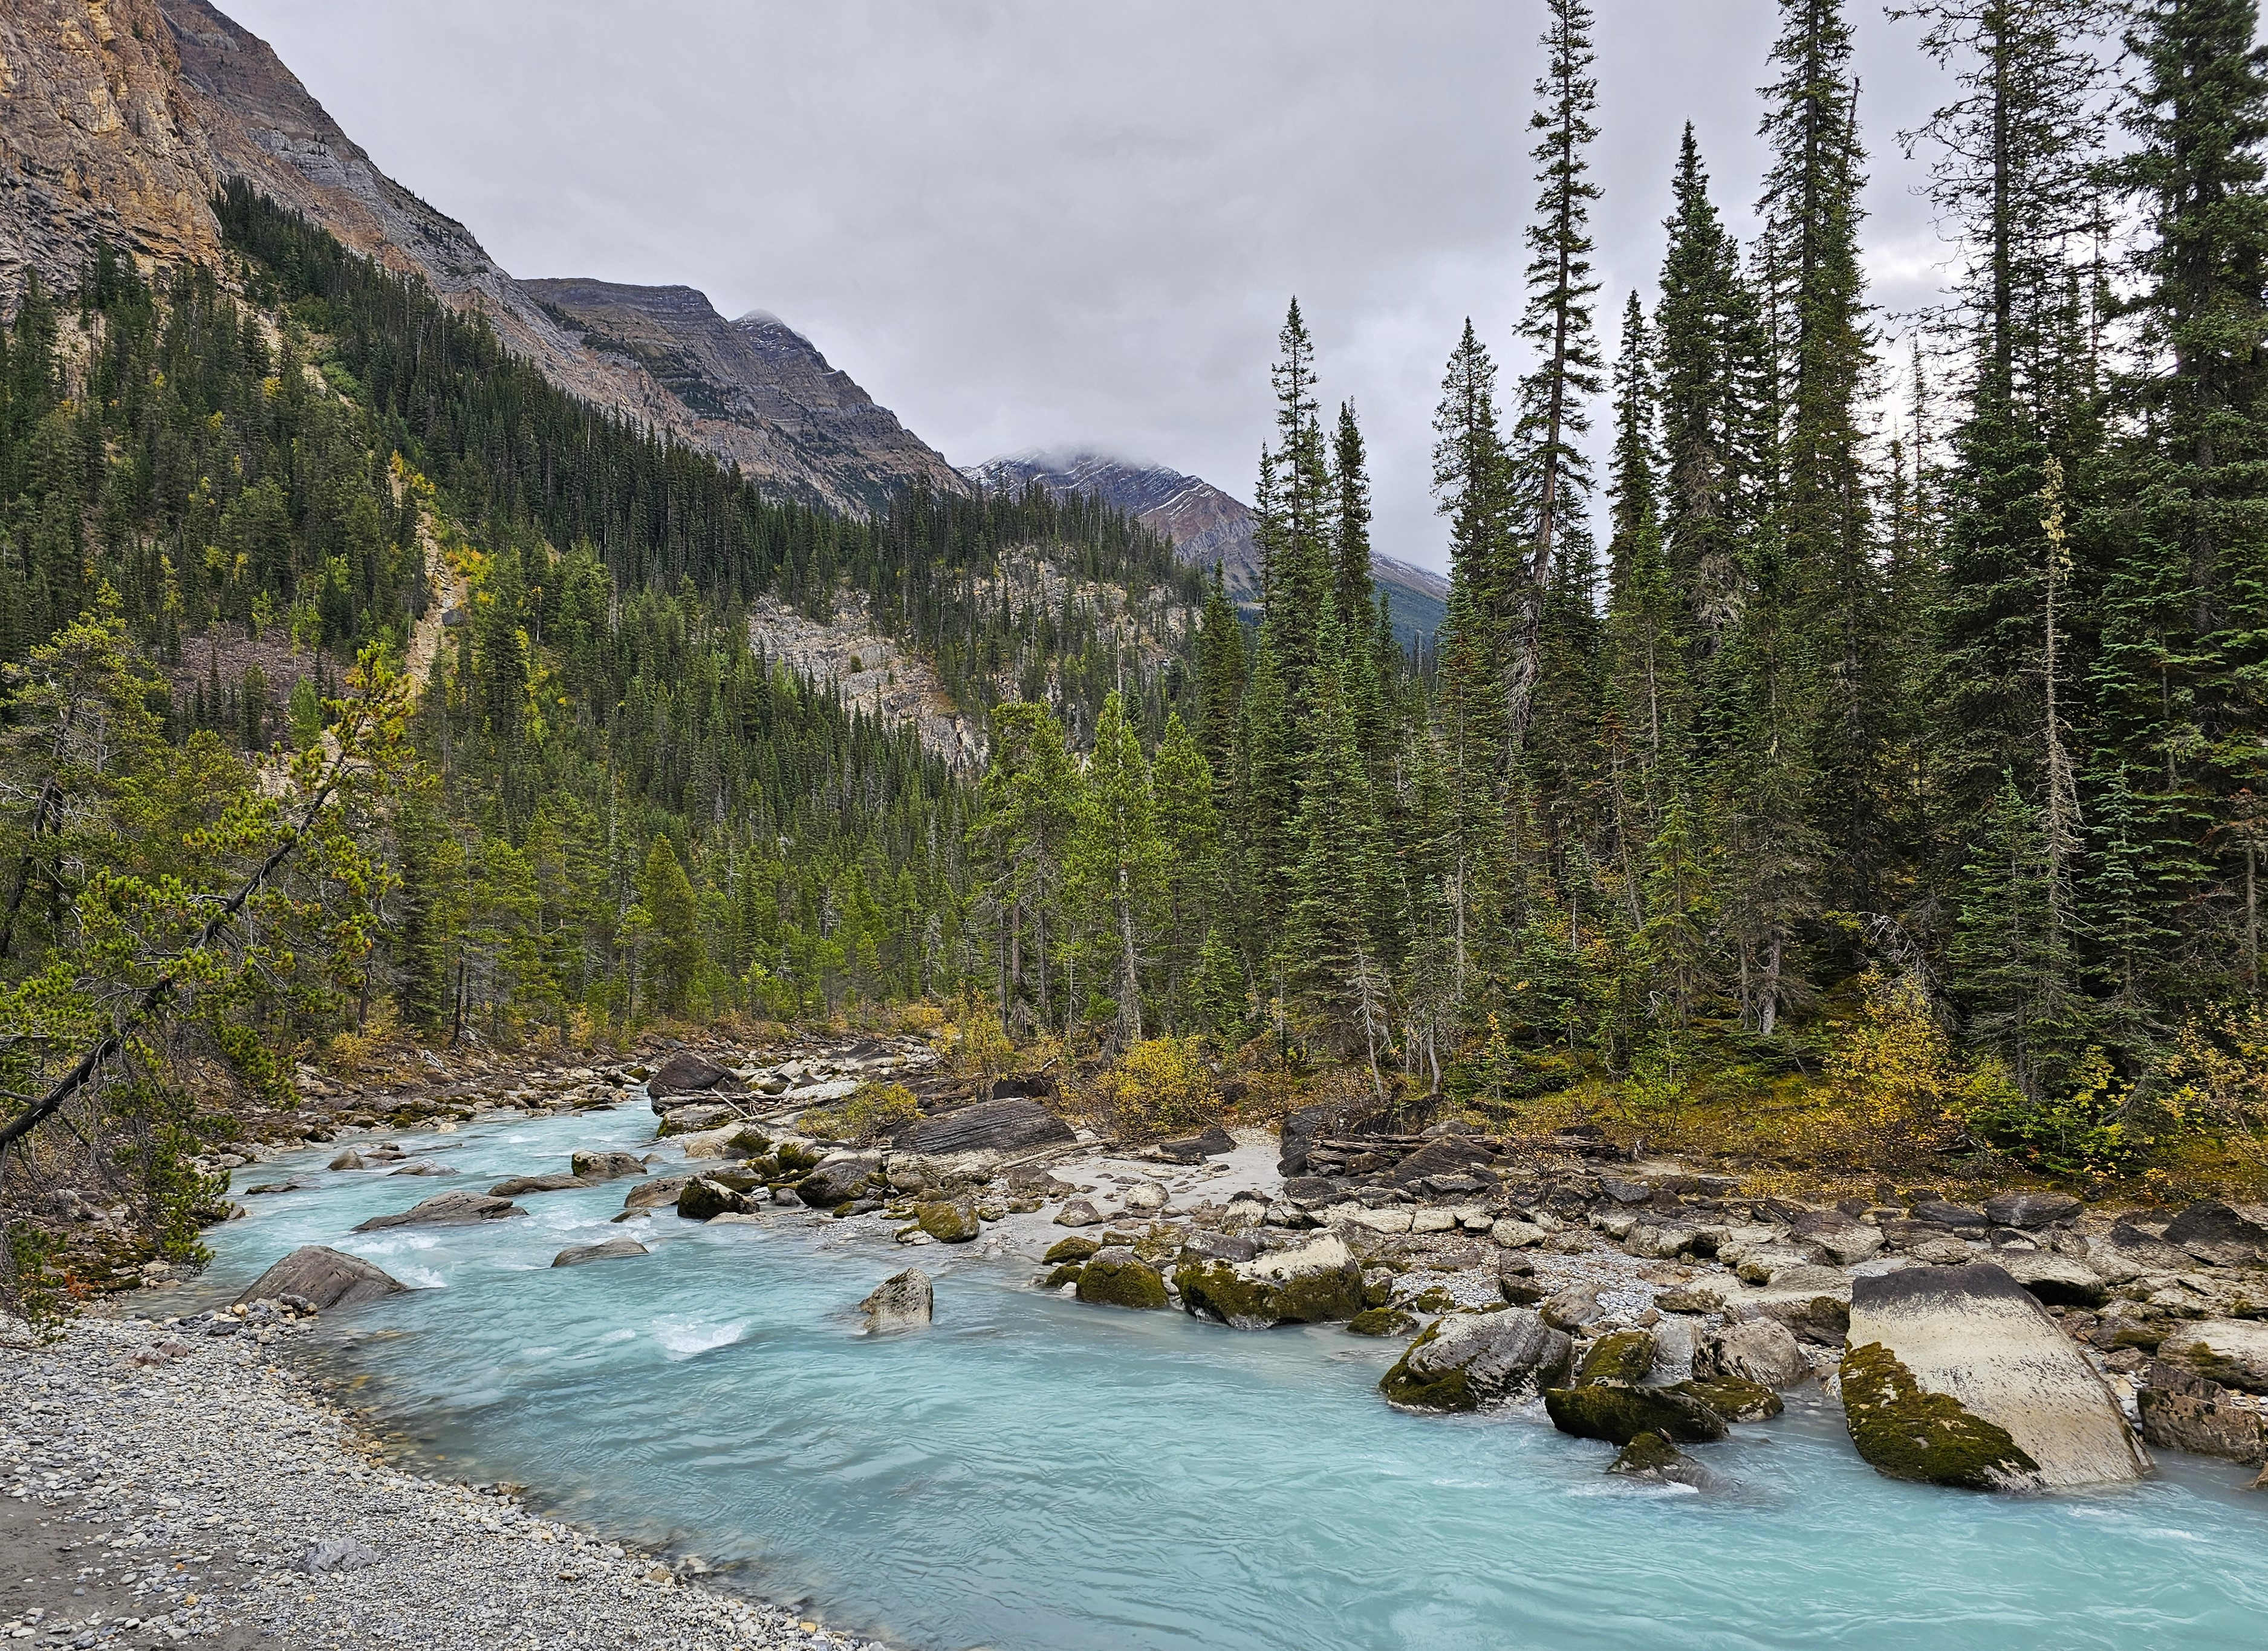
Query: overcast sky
[[1054, 224]]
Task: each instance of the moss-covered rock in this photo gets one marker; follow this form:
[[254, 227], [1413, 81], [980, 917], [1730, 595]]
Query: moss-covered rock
[[1315, 1283], [1075, 1248], [1067, 1273], [1624, 1355], [1381, 1321], [1377, 1288], [1420, 1386], [1432, 1300], [1468, 1359], [1108, 1282], [1909, 1433], [1618, 1413], [1734, 1398], [1647, 1455], [702, 1199], [947, 1220]]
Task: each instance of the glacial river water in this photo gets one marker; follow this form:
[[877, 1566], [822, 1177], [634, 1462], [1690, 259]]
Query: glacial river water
[[1033, 1475]]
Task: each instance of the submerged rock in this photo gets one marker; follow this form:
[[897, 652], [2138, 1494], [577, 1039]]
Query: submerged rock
[[1957, 1376], [661, 1190], [1651, 1457], [518, 1185], [611, 1249], [2233, 1352], [1115, 1278], [448, 1209], [1732, 1398], [323, 1277], [1314, 1283], [1763, 1351], [1618, 1413], [905, 1301], [1469, 1360]]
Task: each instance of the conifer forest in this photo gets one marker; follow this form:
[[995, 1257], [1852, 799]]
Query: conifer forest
[[1863, 763]]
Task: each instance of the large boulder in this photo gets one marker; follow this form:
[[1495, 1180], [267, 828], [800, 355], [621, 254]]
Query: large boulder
[[905, 1301], [1317, 1282], [1015, 1124], [1618, 1412], [1116, 1278], [1620, 1355], [949, 1221], [704, 1198], [2057, 1280], [611, 1249], [1958, 1376], [1468, 1360], [519, 1185], [2233, 1352], [2181, 1411], [605, 1166], [2219, 1234], [2028, 1211], [323, 1278], [448, 1209], [663, 1189], [1215, 1143], [839, 1177], [1760, 1350], [686, 1076]]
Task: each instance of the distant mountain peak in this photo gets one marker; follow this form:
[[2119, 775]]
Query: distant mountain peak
[[1206, 525]]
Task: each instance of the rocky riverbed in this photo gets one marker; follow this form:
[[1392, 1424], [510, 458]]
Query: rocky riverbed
[[164, 1479]]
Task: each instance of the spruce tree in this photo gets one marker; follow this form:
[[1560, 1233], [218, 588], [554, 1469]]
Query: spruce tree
[[1121, 861], [1552, 475]]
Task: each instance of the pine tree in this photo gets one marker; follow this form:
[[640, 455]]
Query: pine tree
[[1552, 477], [1220, 679], [1335, 963], [1121, 860], [667, 924], [1190, 834], [1697, 328], [1472, 488]]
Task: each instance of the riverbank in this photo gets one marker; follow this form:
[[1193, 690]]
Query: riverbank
[[161, 1485]]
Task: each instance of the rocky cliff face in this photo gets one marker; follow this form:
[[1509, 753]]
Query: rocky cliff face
[[119, 119], [755, 390], [99, 141], [1206, 526]]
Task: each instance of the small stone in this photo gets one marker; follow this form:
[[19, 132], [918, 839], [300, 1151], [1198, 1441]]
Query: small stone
[[1079, 1212]]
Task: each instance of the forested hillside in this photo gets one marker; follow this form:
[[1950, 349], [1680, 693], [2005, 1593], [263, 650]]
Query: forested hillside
[[1849, 787]]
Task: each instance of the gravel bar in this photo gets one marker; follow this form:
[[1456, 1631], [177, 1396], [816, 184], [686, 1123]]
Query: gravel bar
[[162, 1484]]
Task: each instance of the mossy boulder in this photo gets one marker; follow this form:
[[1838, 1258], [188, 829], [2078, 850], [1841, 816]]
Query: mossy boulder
[[1067, 1273], [1435, 1299], [1121, 1281], [1318, 1282], [949, 1221], [704, 1198], [1468, 1360], [1617, 1413], [1622, 1355], [1734, 1398], [1074, 1248], [1908, 1433], [1381, 1321], [1377, 1287], [1646, 1455]]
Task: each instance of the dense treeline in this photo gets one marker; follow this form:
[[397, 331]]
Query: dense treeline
[[1922, 753], [624, 808]]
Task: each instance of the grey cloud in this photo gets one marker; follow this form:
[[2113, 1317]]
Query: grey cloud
[[1034, 223]]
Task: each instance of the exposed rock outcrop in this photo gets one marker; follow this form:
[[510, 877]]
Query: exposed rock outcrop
[[323, 1278], [1956, 1376], [1017, 1124], [611, 1249]]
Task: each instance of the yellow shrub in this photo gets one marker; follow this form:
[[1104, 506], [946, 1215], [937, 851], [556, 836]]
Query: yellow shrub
[[1162, 1086], [2217, 1082], [868, 1113], [1893, 1080]]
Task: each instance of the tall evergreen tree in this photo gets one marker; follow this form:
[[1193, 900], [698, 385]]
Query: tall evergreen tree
[[1553, 478]]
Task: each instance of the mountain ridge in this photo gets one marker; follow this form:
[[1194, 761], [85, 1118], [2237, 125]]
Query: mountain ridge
[[1206, 524]]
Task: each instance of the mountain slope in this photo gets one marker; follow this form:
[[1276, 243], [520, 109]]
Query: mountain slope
[[120, 119], [1207, 525], [757, 392]]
